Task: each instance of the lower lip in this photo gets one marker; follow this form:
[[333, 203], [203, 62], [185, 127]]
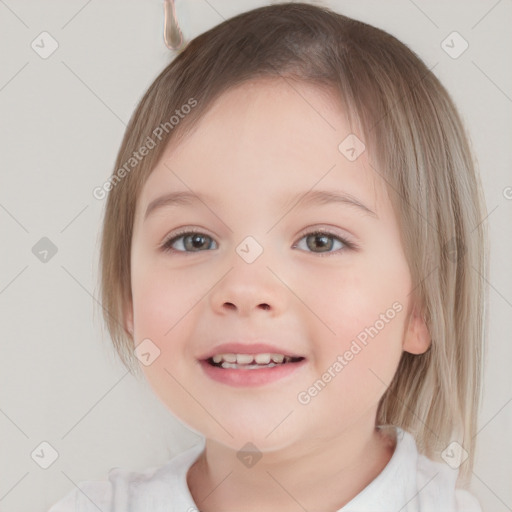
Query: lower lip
[[250, 378]]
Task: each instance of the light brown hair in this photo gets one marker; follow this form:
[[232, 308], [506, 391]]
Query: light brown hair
[[417, 144]]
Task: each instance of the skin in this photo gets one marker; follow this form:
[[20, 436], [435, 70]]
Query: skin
[[259, 143]]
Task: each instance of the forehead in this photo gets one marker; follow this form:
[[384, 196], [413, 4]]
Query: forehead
[[268, 133], [258, 102]]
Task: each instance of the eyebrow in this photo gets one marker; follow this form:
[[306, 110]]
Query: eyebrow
[[316, 197], [312, 197]]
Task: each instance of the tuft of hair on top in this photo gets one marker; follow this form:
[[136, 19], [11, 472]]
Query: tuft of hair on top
[[416, 142]]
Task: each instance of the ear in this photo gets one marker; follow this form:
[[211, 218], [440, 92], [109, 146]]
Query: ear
[[417, 337], [128, 318]]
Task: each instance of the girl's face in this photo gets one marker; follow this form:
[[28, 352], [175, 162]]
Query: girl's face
[[254, 272]]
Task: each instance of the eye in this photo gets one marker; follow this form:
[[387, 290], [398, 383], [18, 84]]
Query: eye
[[318, 241], [325, 242], [188, 241]]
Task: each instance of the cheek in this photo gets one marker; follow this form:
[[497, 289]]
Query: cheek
[[367, 313], [361, 308], [162, 296], [163, 313]]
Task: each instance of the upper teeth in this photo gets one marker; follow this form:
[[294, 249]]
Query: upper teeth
[[249, 358]]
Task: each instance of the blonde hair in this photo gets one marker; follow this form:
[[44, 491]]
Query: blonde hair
[[414, 134]]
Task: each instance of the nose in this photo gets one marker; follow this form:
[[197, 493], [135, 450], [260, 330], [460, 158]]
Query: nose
[[249, 289]]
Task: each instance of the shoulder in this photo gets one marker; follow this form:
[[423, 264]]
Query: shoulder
[[154, 488], [88, 495], [411, 482], [437, 485]]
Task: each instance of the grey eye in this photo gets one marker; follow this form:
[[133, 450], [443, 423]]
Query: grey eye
[[320, 241], [189, 242]]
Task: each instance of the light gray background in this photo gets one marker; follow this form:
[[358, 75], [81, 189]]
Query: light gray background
[[62, 120]]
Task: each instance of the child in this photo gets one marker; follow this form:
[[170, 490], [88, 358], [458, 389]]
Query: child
[[343, 376]]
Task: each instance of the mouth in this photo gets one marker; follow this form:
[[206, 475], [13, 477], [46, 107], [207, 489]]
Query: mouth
[[241, 364], [251, 361]]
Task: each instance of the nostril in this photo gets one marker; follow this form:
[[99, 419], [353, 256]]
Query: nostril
[[230, 305]]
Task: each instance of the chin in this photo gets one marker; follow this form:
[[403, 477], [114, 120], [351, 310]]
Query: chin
[[250, 437]]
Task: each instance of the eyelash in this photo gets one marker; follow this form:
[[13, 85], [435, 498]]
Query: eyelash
[[166, 245]]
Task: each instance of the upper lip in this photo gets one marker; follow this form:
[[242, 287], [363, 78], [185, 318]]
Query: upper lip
[[244, 348]]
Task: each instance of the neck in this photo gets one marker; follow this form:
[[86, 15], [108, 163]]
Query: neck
[[321, 474]]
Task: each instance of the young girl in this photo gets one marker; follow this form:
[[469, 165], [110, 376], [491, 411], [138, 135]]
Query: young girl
[[292, 253]]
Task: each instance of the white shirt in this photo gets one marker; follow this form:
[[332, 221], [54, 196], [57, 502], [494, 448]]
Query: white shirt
[[410, 482]]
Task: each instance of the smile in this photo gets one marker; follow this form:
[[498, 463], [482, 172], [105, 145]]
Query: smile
[[250, 370], [251, 361]]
